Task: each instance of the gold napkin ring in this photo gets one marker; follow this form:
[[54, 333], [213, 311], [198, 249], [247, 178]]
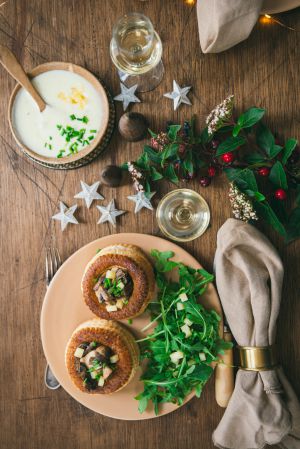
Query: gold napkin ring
[[257, 358]]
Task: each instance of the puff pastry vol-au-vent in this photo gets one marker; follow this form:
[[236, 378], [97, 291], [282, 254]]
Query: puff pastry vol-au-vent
[[101, 356], [118, 282]]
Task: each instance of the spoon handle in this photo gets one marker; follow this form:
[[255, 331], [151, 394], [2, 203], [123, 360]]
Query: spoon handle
[[11, 64]]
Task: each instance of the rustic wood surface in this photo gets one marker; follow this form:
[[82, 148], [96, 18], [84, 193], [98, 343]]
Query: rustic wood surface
[[262, 71]]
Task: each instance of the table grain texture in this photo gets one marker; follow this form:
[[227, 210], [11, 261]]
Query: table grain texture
[[262, 71]]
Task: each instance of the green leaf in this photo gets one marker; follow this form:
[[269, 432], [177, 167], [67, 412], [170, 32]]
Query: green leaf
[[170, 174], [236, 130], [205, 137], [293, 226], [152, 134], [245, 179], [153, 155], [188, 162], [155, 175], [277, 176], [143, 161], [170, 151], [257, 195], [143, 402], [173, 131], [250, 117], [162, 262], [124, 166], [275, 150], [230, 144], [289, 147], [265, 138], [267, 213], [255, 158]]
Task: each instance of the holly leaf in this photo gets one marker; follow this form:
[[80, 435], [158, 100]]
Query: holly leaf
[[236, 130], [265, 138], [267, 213], [173, 131], [293, 226], [155, 174], [143, 161], [289, 147], [250, 117], [230, 144], [153, 155], [277, 176], [170, 174]]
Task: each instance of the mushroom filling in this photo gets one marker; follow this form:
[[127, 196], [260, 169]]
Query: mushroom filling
[[94, 363], [114, 288]]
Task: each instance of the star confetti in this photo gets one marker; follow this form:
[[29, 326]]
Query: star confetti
[[66, 215], [179, 95], [109, 213], [127, 95], [142, 199], [89, 193]]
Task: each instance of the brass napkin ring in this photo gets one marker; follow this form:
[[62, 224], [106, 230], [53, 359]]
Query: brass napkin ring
[[257, 358]]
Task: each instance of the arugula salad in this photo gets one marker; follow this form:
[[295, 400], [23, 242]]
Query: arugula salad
[[184, 341]]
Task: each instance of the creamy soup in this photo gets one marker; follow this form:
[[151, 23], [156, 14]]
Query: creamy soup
[[71, 120]]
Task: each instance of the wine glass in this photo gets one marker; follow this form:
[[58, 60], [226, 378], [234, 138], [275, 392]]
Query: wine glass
[[183, 215], [136, 51]]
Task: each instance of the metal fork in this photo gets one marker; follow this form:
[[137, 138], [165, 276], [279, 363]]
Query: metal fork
[[53, 262]]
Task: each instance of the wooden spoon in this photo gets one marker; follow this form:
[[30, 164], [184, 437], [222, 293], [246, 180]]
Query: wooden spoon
[[14, 68]]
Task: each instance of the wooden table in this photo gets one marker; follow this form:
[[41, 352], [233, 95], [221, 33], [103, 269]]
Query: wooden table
[[262, 71]]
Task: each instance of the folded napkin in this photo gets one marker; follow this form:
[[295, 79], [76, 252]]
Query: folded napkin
[[263, 408], [224, 23]]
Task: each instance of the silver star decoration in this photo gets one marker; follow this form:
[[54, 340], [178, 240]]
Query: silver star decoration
[[66, 215], [179, 95], [109, 213], [141, 199], [127, 95], [89, 193]]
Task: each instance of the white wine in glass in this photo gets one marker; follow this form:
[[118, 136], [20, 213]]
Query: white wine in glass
[[136, 51]]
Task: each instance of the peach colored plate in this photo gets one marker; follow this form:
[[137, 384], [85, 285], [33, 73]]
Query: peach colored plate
[[64, 309]]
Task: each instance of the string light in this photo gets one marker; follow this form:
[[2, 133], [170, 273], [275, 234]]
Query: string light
[[266, 18], [190, 2]]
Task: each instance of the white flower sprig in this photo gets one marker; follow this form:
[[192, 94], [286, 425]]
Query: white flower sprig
[[136, 177], [242, 207], [219, 115]]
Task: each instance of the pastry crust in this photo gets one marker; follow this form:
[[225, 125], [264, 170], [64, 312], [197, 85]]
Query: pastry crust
[[118, 339], [135, 262]]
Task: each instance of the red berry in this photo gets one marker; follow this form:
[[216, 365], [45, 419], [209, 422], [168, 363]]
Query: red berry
[[228, 157], [280, 194], [204, 181], [211, 172], [264, 171]]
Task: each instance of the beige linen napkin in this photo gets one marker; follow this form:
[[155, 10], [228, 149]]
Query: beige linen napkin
[[224, 23], [263, 408]]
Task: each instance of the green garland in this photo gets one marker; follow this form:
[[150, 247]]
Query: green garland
[[264, 171]]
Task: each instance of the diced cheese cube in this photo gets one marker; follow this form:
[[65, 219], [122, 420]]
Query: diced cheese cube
[[110, 274], [107, 372], [79, 352], [120, 285], [94, 374], [120, 304], [186, 330], [183, 297], [202, 356], [176, 356], [180, 306], [101, 381], [111, 308], [114, 358], [188, 322], [191, 362]]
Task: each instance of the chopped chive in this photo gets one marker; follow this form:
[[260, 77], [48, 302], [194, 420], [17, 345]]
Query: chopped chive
[[45, 145], [50, 138], [130, 321], [91, 137], [59, 127], [85, 119], [93, 131], [73, 117], [60, 154], [50, 147]]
